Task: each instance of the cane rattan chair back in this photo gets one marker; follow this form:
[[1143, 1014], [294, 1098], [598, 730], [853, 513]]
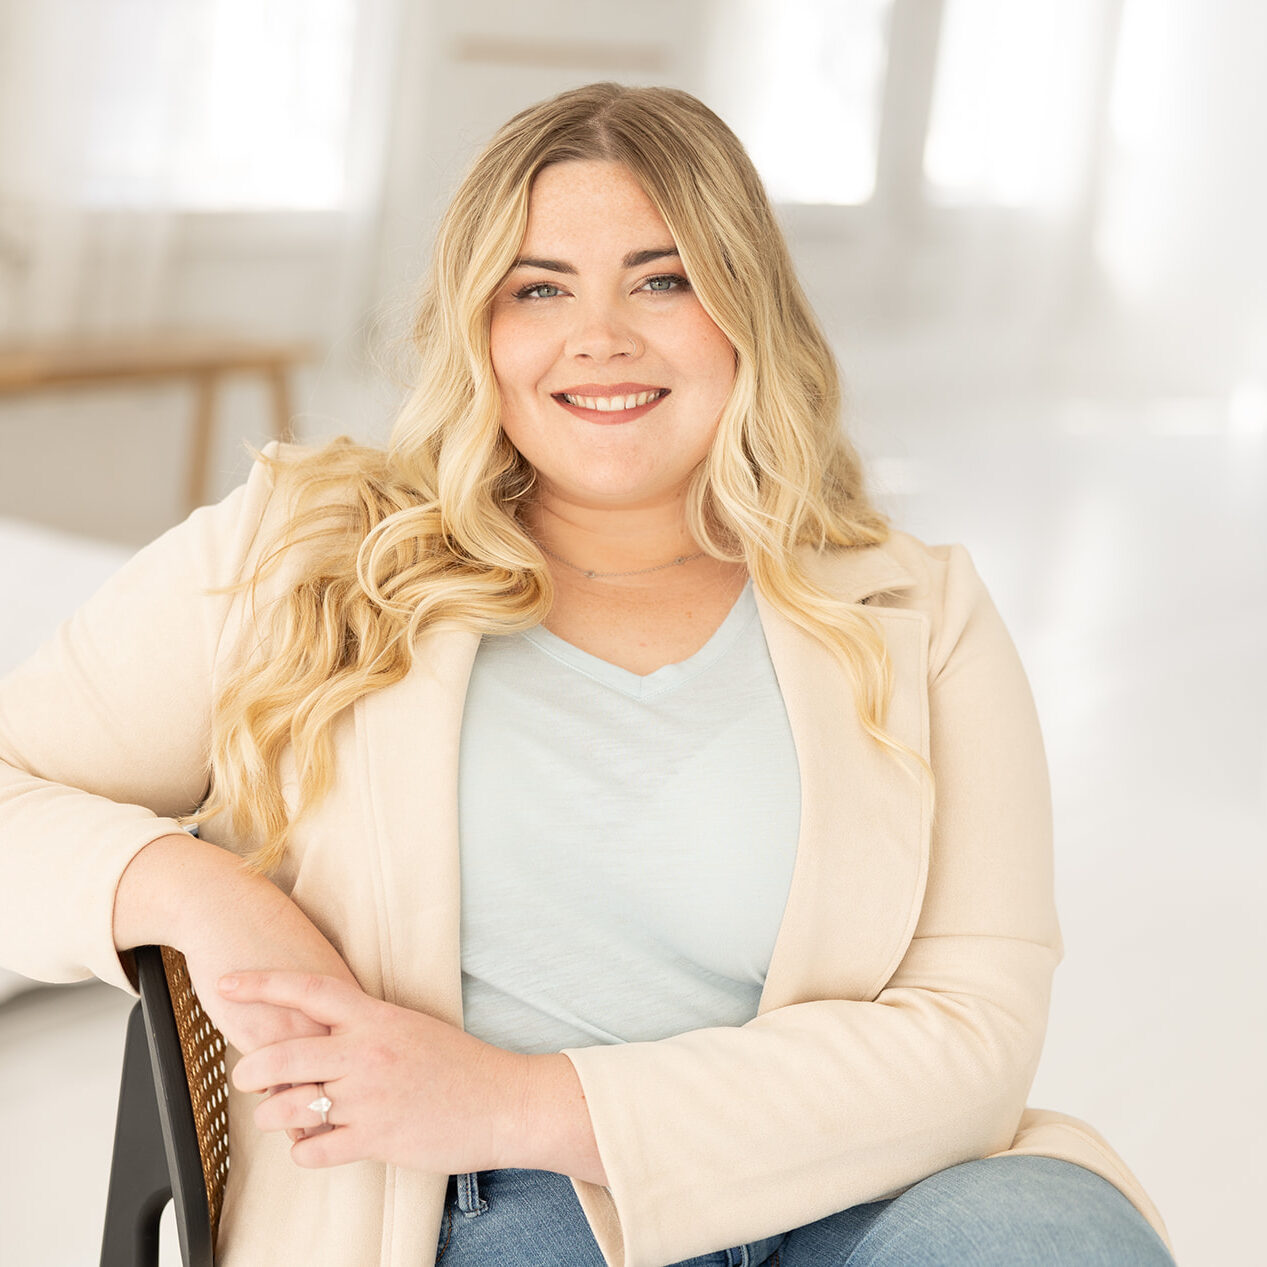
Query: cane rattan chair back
[[202, 1046], [172, 1133]]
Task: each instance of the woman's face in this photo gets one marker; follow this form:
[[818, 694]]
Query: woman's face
[[612, 375]]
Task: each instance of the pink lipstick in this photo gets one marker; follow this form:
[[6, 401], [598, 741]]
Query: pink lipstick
[[610, 402]]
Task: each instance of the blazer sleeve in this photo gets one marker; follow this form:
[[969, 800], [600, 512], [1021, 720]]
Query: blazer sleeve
[[721, 1136], [104, 738]]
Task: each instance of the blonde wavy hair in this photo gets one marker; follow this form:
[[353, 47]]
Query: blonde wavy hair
[[430, 529]]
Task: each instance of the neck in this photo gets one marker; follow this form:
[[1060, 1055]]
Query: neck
[[612, 540]]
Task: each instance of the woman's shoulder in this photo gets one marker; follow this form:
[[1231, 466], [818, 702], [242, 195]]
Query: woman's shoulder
[[281, 475], [901, 571], [301, 507], [319, 473], [308, 489], [937, 583]]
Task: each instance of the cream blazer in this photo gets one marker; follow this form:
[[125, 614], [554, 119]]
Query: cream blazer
[[906, 1000]]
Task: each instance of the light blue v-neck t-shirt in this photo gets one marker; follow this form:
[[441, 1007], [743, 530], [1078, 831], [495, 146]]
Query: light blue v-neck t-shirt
[[627, 841]]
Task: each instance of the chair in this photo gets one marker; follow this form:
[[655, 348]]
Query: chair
[[171, 1139]]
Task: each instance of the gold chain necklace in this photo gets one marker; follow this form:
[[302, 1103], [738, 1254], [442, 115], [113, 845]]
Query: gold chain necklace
[[602, 576]]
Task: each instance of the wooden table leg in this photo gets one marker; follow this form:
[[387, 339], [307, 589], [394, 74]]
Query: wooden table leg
[[279, 388], [200, 448]]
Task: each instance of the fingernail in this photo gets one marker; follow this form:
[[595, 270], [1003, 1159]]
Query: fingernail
[[228, 983]]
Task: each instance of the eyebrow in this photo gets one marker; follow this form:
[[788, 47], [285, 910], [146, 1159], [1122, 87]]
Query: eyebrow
[[635, 259]]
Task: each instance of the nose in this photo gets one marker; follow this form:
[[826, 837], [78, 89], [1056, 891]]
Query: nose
[[599, 334]]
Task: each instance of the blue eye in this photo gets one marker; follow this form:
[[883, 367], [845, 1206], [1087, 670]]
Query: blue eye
[[666, 282], [534, 291]]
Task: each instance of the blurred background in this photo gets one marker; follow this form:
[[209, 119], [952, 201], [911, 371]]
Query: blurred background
[[1033, 231]]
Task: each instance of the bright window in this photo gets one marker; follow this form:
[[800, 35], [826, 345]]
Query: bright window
[[219, 104], [1008, 123], [802, 82]]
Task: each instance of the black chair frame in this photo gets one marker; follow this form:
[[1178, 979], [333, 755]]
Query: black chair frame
[[156, 1152]]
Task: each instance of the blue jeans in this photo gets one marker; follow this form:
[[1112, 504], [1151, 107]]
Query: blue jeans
[[997, 1212]]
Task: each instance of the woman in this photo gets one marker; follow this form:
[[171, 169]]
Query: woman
[[601, 714]]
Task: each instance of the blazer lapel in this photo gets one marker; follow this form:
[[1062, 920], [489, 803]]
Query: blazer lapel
[[861, 858], [409, 736]]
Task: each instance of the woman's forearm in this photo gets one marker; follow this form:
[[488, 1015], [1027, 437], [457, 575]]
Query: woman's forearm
[[191, 894], [201, 900], [554, 1131], [174, 888]]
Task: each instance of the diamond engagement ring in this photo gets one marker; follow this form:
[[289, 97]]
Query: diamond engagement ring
[[322, 1104]]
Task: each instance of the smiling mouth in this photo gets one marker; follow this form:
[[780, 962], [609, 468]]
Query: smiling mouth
[[612, 404]]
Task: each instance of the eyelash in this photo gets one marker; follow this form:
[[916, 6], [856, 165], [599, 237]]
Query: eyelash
[[681, 283]]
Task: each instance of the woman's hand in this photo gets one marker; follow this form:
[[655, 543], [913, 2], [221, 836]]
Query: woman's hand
[[188, 893], [266, 931], [404, 1087]]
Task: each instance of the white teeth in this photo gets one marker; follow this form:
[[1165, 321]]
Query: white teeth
[[613, 404]]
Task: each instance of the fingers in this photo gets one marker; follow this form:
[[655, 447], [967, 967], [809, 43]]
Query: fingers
[[323, 999], [298, 1060], [291, 1111], [329, 1148], [313, 1144]]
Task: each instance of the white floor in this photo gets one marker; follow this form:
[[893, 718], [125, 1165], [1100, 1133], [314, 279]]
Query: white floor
[[60, 1050], [1127, 547]]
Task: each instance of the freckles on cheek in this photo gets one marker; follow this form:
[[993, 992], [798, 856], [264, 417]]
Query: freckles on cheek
[[497, 347], [514, 366], [504, 339]]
